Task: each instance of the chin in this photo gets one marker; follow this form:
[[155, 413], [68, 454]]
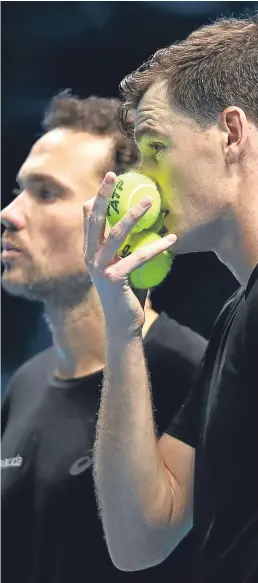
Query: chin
[[15, 283], [15, 287]]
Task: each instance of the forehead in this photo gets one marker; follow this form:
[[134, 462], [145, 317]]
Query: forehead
[[158, 118], [67, 152], [154, 114]]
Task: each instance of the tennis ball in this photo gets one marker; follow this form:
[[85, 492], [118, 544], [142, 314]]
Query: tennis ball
[[159, 223], [130, 188], [154, 271]]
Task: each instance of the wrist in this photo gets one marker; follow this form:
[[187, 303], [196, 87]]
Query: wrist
[[121, 330]]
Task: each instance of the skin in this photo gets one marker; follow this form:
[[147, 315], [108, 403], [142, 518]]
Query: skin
[[208, 170], [148, 485], [63, 169]]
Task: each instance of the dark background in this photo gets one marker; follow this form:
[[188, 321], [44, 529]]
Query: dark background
[[89, 47]]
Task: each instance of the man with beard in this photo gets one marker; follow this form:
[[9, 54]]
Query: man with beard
[[51, 530]]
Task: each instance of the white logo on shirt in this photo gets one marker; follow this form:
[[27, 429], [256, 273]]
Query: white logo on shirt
[[80, 465], [12, 462]]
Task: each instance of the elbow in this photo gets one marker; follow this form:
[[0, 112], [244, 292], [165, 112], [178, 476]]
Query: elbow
[[137, 555], [147, 548], [132, 563]]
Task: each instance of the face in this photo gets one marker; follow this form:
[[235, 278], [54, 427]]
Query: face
[[186, 161], [44, 223]]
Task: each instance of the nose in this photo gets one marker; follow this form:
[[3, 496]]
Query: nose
[[12, 218]]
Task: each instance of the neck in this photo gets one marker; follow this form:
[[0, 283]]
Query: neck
[[233, 236], [78, 337], [238, 246]]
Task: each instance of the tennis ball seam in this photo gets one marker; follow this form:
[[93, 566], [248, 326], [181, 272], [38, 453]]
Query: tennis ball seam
[[138, 188]]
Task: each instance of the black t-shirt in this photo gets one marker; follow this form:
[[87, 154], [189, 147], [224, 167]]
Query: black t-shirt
[[220, 420], [51, 532]]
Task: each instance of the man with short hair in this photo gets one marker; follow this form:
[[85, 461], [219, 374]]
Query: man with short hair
[[197, 130], [50, 525]]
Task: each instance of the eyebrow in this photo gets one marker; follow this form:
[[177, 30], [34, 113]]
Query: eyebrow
[[153, 132], [42, 178]]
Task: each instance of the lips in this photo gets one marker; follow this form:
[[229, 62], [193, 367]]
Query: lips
[[10, 251], [10, 247]]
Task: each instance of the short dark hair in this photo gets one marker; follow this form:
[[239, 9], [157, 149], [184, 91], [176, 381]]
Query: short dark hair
[[214, 67], [97, 116]]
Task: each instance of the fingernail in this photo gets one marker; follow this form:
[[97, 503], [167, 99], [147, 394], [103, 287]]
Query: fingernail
[[172, 238], [109, 178], [146, 201]]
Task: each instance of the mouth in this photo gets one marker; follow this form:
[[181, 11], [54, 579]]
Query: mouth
[[10, 251]]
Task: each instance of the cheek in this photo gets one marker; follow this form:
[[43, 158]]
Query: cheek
[[63, 239], [192, 173]]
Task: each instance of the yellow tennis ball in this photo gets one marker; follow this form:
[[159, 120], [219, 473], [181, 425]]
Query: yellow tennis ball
[[155, 270], [130, 188], [159, 223]]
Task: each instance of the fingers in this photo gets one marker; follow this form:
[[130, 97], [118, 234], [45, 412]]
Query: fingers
[[95, 215], [124, 267], [121, 230], [95, 212]]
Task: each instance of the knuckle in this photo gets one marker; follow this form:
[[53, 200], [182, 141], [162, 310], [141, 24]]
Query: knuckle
[[142, 255], [92, 265], [105, 189], [93, 219], [109, 273], [115, 234], [102, 193], [133, 213]]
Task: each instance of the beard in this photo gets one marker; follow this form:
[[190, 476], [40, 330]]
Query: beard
[[64, 291]]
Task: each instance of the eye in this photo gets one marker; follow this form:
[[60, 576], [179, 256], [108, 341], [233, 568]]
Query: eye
[[152, 149], [157, 149], [157, 146], [45, 194]]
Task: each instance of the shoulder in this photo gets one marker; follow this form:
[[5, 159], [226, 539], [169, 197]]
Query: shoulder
[[250, 317], [170, 338], [33, 371], [239, 316]]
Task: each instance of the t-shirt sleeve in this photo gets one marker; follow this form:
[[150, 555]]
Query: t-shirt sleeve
[[186, 423], [9, 397], [180, 343], [173, 354], [250, 337], [5, 405]]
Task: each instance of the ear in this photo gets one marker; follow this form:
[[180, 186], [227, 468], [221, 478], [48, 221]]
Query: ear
[[234, 125]]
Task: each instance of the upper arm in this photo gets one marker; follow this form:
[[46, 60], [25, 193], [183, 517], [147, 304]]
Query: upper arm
[[177, 450], [8, 399], [179, 460]]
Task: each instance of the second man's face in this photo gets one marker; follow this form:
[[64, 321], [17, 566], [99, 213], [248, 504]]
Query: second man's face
[[45, 221]]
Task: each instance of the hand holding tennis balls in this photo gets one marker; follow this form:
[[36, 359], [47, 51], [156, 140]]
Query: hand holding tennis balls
[[130, 188], [109, 273]]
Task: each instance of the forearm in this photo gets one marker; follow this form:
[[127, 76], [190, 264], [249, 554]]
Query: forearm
[[133, 486]]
